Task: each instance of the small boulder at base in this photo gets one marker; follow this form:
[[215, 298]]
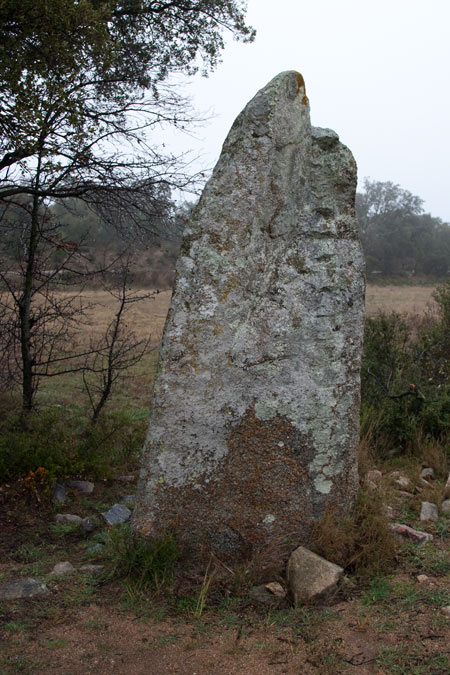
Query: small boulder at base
[[22, 588], [427, 473], [310, 577], [81, 485], [374, 475], [62, 568], [406, 532], [59, 493], [117, 514], [429, 511], [445, 507]]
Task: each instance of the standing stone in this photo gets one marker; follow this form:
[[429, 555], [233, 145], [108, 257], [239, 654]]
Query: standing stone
[[255, 416]]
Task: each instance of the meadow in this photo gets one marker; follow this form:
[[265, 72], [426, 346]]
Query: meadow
[[149, 610]]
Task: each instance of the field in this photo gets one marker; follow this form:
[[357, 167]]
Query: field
[[384, 623]]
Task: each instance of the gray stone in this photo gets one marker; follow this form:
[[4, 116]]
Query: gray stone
[[88, 524], [92, 569], [129, 500], [262, 595], [403, 482], [68, 518], [255, 411], [81, 485], [311, 578], [429, 511], [62, 568], [117, 514], [427, 473], [374, 475], [59, 493], [447, 487], [445, 611], [22, 588], [445, 507], [406, 532]]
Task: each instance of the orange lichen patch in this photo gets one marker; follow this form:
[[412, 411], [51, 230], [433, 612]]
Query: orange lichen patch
[[305, 100], [300, 83], [260, 492]]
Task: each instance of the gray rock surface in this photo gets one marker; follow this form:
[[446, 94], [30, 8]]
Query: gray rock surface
[[255, 415], [427, 473], [22, 588], [406, 532], [92, 569], [117, 514], [62, 568], [447, 487], [88, 524], [429, 511], [262, 595], [310, 577], [445, 507], [59, 493], [81, 485]]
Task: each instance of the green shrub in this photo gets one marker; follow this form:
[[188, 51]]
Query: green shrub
[[59, 443], [143, 561]]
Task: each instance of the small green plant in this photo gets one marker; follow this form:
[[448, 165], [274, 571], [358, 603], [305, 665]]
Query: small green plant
[[146, 562], [379, 591], [26, 553]]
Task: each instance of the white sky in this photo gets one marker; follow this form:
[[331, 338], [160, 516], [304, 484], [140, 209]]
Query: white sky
[[376, 72]]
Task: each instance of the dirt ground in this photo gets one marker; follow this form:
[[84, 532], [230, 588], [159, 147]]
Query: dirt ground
[[392, 625], [89, 624]]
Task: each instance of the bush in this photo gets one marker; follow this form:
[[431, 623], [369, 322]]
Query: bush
[[143, 561], [56, 444], [362, 542]]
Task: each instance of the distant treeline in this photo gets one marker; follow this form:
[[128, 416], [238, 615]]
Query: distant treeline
[[399, 239]]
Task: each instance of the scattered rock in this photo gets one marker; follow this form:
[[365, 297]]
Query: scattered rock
[[394, 474], [424, 482], [446, 611], [129, 500], [262, 595], [422, 578], [62, 568], [407, 532], [22, 588], [388, 511], [126, 479], [403, 482], [88, 524], [276, 588], [311, 577], [81, 485], [429, 511], [59, 493], [405, 495], [117, 514], [445, 507], [374, 475], [447, 487], [427, 474], [68, 518], [92, 569]]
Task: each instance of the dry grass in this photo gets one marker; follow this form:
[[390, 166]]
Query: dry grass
[[415, 300]]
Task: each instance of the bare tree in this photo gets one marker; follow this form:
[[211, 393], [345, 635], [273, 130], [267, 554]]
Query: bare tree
[[119, 349]]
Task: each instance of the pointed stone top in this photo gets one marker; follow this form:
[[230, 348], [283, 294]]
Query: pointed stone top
[[278, 110]]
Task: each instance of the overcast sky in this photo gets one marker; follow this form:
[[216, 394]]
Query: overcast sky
[[376, 72]]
